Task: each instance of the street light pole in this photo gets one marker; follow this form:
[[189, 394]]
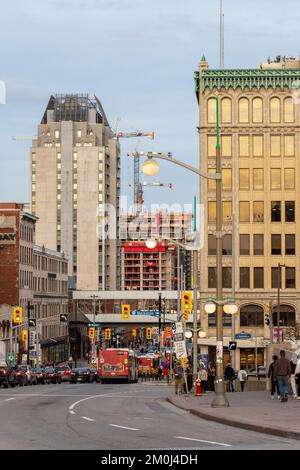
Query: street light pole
[[220, 399], [195, 312]]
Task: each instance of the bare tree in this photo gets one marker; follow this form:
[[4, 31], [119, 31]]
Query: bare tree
[[292, 333]]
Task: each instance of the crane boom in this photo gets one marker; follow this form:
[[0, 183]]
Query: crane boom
[[120, 134]]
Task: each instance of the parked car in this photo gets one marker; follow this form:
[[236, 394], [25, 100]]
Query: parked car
[[7, 377], [64, 373], [81, 374], [260, 372], [30, 374], [94, 375], [21, 377], [40, 375], [52, 376]]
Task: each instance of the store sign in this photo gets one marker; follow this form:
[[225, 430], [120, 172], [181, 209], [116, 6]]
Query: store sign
[[7, 238]]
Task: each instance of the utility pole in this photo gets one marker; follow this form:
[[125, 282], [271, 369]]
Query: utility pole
[[278, 297], [233, 257], [159, 327]]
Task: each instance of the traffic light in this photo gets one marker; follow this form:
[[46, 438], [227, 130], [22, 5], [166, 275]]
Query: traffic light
[[24, 335], [18, 315], [92, 332], [133, 332], [186, 304], [187, 269], [125, 312], [148, 333], [267, 315], [107, 333]]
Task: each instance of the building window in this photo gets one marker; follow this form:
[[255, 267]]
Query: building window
[[289, 110], [286, 313], [275, 211], [290, 278], [245, 278], [226, 211], [226, 110], [211, 111], [78, 132], [290, 245], [226, 278], [243, 110], [211, 146], [290, 211], [226, 179], [244, 179], [212, 277], [257, 110], [275, 146], [276, 244], [258, 244], [212, 245], [258, 179], [258, 278], [211, 211], [244, 145], [258, 211], [244, 211], [226, 146], [289, 145], [275, 110], [289, 178], [244, 245], [211, 184], [56, 134], [251, 316], [275, 178], [227, 245], [258, 149], [275, 277]]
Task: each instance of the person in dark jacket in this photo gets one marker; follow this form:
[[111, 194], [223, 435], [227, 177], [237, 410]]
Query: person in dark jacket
[[282, 372], [274, 383], [230, 377]]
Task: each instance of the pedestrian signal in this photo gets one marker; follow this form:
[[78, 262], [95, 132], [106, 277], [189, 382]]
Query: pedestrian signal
[[92, 333], [267, 315], [125, 312], [148, 333], [18, 315]]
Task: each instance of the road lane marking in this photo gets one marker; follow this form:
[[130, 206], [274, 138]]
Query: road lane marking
[[124, 427], [205, 442], [8, 399], [87, 418], [72, 412]]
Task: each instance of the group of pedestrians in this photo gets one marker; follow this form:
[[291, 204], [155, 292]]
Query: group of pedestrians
[[282, 372]]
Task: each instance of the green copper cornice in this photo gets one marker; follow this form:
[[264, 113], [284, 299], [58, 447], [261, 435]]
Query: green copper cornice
[[247, 78]]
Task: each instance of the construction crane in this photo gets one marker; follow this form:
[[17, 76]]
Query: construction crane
[[122, 135]]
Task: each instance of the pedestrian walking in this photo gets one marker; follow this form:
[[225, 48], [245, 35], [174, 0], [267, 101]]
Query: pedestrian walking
[[297, 378], [242, 377], [230, 377], [160, 372], [203, 377], [272, 377], [282, 371], [178, 375]]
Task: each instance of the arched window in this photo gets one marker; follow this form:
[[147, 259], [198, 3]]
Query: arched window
[[275, 110], [286, 314], [257, 110], [243, 110], [211, 110], [226, 110], [251, 316], [289, 110]]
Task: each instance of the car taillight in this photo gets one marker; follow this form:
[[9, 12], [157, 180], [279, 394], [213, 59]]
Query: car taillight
[[18, 373]]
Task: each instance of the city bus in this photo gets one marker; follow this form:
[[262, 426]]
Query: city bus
[[146, 366], [118, 364]]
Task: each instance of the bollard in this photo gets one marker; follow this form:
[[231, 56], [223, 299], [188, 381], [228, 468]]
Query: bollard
[[198, 389]]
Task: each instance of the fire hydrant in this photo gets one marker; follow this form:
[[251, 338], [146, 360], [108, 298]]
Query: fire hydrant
[[198, 389]]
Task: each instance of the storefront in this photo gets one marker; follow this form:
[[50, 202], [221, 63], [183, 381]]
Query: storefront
[[55, 350]]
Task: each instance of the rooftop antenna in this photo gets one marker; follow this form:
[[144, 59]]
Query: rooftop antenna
[[221, 36]]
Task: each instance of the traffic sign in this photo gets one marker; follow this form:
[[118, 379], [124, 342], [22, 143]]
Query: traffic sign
[[243, 336], [94, 324], [10, 357], [63, 318], [152, 313], [32, 322], [232, 346]]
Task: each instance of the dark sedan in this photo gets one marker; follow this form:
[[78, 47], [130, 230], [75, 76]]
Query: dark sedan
[[94, 375], [52, 376], [7, 377], [21, 377], [81, 374], [40, 375]]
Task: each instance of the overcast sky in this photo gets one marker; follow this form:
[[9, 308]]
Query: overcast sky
[[139, 58]]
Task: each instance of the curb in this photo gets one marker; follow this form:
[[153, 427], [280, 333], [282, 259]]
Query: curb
[[281, 432]]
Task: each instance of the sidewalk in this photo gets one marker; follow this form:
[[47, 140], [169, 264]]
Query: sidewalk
[[255, 411]]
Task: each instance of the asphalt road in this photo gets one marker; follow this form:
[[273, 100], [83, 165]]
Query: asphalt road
[[114, 416]]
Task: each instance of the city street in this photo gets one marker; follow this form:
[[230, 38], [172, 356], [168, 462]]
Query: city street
[[114, 416]]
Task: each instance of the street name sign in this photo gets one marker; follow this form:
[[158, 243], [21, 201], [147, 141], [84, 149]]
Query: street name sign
[[243, 336]]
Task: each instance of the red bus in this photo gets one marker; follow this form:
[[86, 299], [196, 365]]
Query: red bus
[[118, 364], [146, 368]]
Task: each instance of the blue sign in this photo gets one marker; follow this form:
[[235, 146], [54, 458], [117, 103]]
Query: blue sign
[[153, 313], [33, 353], [243, 336], [94, 324]]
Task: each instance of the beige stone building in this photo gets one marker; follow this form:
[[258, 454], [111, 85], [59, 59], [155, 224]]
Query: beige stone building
[[75, 172], [260, 148]]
